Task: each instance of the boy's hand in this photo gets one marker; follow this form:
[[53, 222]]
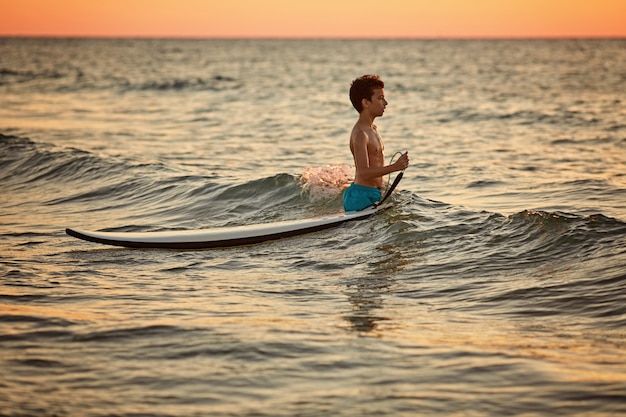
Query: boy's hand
[[403, 162]]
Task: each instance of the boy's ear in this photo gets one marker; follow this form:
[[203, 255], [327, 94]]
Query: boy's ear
[[364, 102]]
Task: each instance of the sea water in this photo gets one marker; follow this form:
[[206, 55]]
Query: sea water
[[494, 286]]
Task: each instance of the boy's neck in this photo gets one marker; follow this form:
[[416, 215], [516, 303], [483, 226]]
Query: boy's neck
[[366, 118]]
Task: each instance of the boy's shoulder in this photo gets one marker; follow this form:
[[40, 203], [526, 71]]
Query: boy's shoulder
[[359, 131]]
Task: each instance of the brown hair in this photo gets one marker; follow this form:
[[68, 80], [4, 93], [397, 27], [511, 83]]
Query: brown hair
[[363, 88]]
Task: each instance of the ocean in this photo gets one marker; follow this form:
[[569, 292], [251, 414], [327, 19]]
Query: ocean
[[495, 285]]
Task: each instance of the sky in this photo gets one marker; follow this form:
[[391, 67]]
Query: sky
[[314, 18]]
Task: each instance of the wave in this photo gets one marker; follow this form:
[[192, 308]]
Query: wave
[[12, 76], [24, 164], [216, 83], [80, 182], [73, 79], [520, 117], [547, 235], [455, 239], [489, 238]]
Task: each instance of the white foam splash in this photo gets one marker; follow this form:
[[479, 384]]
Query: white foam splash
[[326, 182]]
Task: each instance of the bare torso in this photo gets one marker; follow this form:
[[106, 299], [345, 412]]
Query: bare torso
[[367, 148]]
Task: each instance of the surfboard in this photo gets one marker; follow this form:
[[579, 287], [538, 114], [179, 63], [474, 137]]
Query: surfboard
[[223, 236]]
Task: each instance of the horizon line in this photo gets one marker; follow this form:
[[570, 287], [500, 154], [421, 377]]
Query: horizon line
[[342, 38]]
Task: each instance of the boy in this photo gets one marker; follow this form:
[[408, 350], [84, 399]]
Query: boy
[[368, 98]]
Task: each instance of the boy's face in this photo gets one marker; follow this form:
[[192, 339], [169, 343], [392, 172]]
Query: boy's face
[[377, 104]]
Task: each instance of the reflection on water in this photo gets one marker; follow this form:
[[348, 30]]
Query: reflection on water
[[366, 296], [367, 293]]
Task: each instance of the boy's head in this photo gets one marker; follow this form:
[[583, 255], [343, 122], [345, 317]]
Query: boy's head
[[363, 88]]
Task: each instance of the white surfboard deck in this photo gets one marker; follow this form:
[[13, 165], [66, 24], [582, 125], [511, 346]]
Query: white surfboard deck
[[224, 236]]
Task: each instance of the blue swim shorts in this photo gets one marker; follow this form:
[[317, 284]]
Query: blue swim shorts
[[357, 197]]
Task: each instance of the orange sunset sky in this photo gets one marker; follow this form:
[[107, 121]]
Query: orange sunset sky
[[314, 18]]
